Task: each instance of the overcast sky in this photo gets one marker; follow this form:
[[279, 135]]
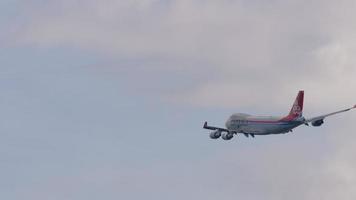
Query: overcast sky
[[106, 99]]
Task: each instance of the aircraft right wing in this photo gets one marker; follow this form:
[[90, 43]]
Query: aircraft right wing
[[319, 120], [214, 128]]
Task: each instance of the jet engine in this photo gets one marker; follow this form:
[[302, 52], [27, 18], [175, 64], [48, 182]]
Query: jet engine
[[227, 136], [215, 134], [318, 122]]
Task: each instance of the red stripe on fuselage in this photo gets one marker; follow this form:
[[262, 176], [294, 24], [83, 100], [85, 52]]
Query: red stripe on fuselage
[[289, 118], [266, 122]]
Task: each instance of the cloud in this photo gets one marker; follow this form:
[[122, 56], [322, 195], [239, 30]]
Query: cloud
[[285, 46], [272, 171]]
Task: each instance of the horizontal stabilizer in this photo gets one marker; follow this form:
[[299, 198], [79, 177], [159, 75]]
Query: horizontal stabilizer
[[214, 128]]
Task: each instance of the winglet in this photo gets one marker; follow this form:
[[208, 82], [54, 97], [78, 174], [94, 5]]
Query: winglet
[[205, 124]]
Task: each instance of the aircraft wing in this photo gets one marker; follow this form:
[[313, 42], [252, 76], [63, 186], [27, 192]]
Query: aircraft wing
[[214, 128], [321, 117]]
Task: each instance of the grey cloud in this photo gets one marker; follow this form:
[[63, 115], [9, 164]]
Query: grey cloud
[[285, 45], [271, 171]]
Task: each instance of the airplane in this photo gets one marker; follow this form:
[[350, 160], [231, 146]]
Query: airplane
[[250, 125]]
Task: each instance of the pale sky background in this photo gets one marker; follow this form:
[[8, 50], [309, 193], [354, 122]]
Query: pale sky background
[[106, 99]]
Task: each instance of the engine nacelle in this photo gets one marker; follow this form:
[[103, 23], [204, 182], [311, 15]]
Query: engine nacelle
[[318, 122], [227, 136], [215, 134]]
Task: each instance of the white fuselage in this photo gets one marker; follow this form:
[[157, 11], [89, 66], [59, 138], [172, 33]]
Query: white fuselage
[[261, 125]]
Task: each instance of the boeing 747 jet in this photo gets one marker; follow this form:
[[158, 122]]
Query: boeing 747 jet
[[250, 125]]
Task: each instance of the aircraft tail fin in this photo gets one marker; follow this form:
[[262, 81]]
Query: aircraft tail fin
[[297, 108]]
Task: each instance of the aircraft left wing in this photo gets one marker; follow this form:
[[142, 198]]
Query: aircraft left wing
[[319, 120], [214, 128]]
